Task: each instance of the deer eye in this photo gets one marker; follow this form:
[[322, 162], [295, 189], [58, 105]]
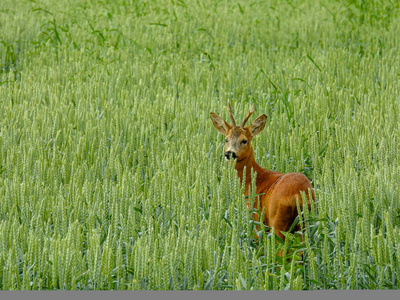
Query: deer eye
[[226, 140], [244, 142]]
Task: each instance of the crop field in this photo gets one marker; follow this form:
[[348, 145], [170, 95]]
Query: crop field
[[112, 175]]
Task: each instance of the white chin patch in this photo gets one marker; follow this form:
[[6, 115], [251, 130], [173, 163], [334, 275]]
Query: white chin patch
[[229, 159]]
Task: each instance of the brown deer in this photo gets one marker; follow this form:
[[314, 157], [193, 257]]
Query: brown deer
[[277, 192]]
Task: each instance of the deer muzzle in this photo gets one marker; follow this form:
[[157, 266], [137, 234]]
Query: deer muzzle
[[229, 154]]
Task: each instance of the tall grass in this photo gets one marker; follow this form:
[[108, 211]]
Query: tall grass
[[112, 175]]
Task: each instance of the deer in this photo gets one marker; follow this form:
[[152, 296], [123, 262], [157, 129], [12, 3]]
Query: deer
[[276, 193]]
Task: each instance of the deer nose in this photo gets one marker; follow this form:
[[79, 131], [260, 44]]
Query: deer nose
[[228, 155]]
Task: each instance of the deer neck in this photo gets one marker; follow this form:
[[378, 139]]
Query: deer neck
[[250, 164]]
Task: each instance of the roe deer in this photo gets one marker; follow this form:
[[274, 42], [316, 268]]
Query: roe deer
[[277, 192]]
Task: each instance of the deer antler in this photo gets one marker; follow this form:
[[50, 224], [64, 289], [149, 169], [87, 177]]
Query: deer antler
[[247, 117], [231, 115]]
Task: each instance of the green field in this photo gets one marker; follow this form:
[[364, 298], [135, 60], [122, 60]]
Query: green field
[[112, 175]]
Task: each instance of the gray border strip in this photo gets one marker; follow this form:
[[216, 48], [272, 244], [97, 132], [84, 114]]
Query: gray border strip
[[192, 295]]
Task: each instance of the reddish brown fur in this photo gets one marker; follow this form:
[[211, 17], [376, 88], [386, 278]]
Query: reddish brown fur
[[278, 191]]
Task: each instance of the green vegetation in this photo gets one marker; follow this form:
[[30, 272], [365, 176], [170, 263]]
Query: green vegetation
[[112, 175]]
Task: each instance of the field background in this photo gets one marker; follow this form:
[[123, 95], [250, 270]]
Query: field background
[[112, 175]]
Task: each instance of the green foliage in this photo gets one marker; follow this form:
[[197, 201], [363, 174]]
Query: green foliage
[[112, 175]]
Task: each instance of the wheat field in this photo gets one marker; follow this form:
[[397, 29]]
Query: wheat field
[[112, 175]]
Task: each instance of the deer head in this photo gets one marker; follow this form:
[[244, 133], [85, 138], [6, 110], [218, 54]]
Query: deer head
[[238, 138]]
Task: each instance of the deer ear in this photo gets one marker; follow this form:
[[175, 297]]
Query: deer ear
[[220, 124], [258, 125]]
